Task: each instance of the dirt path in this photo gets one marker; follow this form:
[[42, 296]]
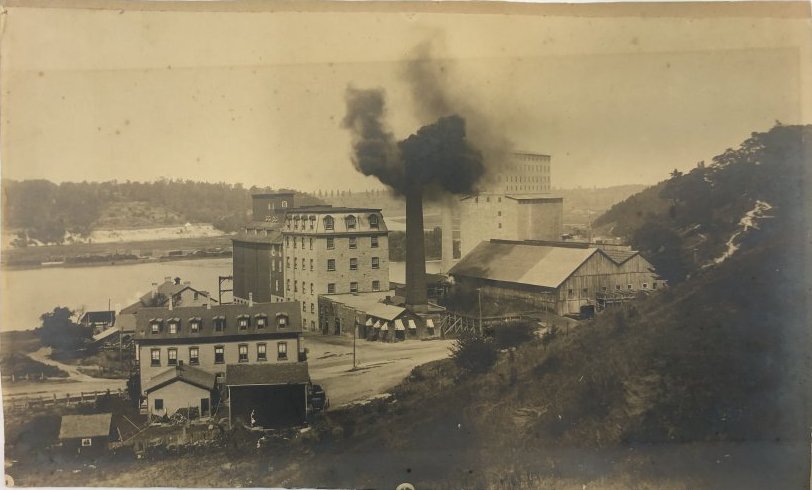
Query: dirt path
[[380, 366], [43, 355]]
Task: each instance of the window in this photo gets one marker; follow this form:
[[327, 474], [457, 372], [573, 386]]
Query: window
[[374, 242], [311, 288], [500, 225], [155, 326], [273, 266], [172, 356], [295, 287], [312, 225], [603, 288], [281, 320], [376, 285], [653, 285], [287, 285], [628, 286], [194, 356], [262, 353], [331, 264], [351, 222], [373, 221], [353, 287], [304, 307], [159, 404], [303, 238], [219, 323], [155, 357], [262, 320], [353, 264], [499, 213], [282, 351], [645, 285], [311, 238], [87, 442], [194, 326], [244, 322], [219, 354], [569, 293], [329, 223], [284, 204], [331, 288], [375, 262], [295, 263], [303, 263], [287, 238], [331, 243], [287, 262], [617, 287], [311, 264], [353, 242], [242, 349], [585, 292], [312, 308]]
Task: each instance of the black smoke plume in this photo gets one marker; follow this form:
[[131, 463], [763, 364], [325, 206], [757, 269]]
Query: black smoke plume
[[438, 157]]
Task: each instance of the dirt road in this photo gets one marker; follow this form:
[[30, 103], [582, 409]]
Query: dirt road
[[380, 366]]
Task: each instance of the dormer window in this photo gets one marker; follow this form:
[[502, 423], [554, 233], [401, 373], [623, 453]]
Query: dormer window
[[312, 222], [351, 222], [244, 322], [219, 323], [195, 324], [262, 321], [373, 221], [281, 320], [329, 223], [155, 326], [174, 326]]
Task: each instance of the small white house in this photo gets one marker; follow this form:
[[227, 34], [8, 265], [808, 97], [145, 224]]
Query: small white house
[[180, 387]]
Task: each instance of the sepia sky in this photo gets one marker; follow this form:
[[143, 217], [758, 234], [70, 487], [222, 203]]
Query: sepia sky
[[257, 97]]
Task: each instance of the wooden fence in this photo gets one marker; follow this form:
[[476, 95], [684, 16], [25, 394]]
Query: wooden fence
[[24, 402]]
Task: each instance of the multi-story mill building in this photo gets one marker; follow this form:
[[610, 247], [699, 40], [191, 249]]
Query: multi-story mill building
[[297, 254]]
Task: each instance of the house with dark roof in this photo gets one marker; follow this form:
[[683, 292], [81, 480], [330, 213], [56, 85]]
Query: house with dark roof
[[86, 434], [180, 292], [98, 320], [183, 353], [561, 277]]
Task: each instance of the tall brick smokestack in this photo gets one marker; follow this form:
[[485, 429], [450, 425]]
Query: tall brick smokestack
[[415, 250], [434, 161]]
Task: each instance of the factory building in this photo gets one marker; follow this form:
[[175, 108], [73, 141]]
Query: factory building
[[561, 277], [331, 250], [514, 204], [296, 254]]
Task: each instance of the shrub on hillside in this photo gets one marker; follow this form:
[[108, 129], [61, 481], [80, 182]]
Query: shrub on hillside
[[473, 353], [513, 334]]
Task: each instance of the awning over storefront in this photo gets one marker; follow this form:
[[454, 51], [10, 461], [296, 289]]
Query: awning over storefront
[[399, 325], [412, 324], [369, 322], [430, 323], [385, 327], [377, 324]]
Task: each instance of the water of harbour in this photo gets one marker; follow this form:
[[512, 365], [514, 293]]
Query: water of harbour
[[26, 294]]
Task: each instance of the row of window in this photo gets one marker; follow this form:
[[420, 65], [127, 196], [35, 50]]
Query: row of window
[[331, 242], [350, 221], [331, 263], [219, 323], [331, 288], [618, 287], [526, 188], [219, 354]]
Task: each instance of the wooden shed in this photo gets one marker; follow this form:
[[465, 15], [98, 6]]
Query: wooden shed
[[86, 434]]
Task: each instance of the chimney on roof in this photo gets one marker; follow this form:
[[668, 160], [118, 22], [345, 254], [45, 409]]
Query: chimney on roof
[[167, 278], [250, 300], [208, 305], [177, 281], [170, 303], [154, 289]]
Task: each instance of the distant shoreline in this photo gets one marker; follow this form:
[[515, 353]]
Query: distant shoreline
[[64, 265]]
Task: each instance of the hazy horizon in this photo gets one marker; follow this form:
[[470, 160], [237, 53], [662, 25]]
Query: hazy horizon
[[258, 97]]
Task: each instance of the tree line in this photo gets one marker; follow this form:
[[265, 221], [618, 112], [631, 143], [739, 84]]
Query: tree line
[[45, 211]]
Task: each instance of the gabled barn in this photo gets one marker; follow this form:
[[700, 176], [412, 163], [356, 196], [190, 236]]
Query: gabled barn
[[560, 277], [86, 434]]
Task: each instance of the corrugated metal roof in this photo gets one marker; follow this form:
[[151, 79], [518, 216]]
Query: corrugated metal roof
[[185, 373], [537, 265], [96, 425], [267, 374]]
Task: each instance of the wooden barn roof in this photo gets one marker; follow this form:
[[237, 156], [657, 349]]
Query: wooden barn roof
[[522, 263], [75, 426], [267, 374]]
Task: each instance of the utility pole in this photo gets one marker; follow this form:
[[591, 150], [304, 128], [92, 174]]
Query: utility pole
[[354, 336], [479, 293]]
